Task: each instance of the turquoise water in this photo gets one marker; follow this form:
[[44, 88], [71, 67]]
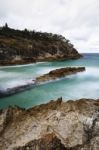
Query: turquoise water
[[81, 85]]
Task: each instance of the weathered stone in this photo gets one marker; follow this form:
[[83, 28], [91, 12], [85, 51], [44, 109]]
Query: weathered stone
[[59, 73], [58, 125]]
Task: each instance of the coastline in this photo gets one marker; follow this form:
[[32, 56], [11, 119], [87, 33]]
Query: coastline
[[19, 63], [19, 47]]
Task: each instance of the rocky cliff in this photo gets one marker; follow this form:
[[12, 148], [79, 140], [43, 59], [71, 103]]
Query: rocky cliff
[[58, 125], [20, 47]]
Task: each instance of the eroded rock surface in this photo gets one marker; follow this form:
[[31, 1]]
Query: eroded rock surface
[[58, 125], [59, 73]]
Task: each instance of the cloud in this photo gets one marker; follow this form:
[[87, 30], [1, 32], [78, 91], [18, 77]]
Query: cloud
[[77, 20]]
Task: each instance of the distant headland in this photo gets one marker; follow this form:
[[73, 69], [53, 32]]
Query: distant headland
[[24, 46]]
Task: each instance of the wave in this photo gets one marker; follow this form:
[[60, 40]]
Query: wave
[[90, 73], [23, 65], [15, 86], [16, 66], [7, 74]]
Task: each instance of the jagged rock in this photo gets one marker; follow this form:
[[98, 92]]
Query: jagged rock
[[58, 125], [59, 73]]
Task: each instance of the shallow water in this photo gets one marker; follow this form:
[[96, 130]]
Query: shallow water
[[80, 85]]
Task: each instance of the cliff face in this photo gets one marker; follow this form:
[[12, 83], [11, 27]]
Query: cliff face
[[58, 125], [19, 47]]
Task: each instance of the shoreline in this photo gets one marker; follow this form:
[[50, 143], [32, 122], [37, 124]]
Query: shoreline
[[16, 63]]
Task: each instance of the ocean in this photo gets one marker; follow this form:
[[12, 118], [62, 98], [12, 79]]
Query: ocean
[[80, 85]]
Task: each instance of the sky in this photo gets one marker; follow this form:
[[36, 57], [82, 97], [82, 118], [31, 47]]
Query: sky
[[77, 20]]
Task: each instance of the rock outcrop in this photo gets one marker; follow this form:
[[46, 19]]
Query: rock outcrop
[[52, 75], [59, 73], [21, 47], [58, 125], [16, 89]]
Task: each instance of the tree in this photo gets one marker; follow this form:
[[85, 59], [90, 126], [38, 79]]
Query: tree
[[6, 25]]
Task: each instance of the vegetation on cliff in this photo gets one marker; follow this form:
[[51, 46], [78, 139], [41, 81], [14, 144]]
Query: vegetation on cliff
[[23, 46]]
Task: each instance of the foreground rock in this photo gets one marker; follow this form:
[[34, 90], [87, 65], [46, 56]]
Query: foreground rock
[[22, 47], [58, 125], [59, 73]]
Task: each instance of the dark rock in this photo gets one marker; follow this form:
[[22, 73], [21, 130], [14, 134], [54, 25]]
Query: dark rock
[[59, 73], [17, 89], [17, 47]]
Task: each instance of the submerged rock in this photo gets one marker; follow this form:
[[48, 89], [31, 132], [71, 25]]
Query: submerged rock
[[16, 89], [58, 125], [52, 75], [59, 73]]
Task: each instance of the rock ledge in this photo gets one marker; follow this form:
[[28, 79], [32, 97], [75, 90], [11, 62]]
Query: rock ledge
[[59, 73]]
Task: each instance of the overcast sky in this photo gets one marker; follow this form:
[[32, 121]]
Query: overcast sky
[[77, 20]]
